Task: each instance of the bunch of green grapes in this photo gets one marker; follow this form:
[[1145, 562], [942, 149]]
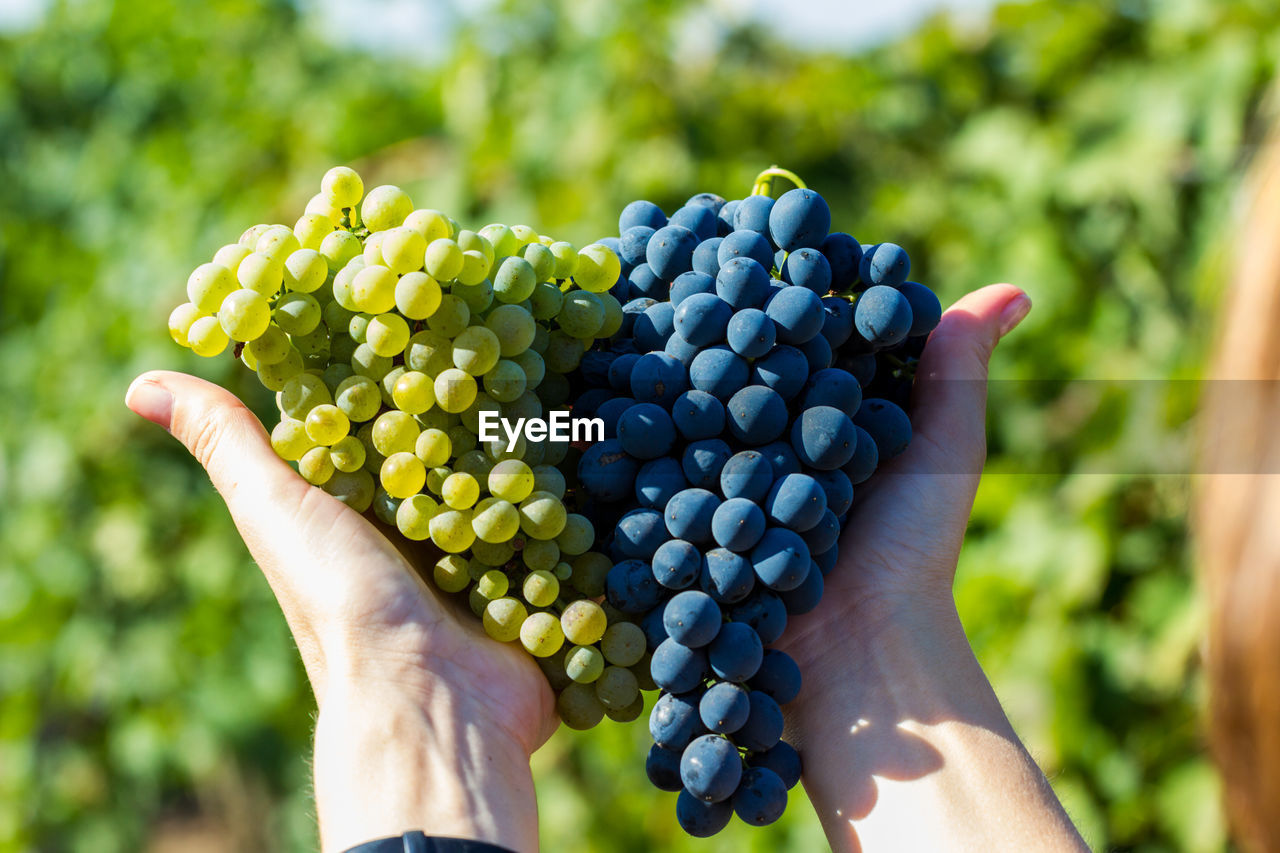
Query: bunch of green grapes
[[386, 331]]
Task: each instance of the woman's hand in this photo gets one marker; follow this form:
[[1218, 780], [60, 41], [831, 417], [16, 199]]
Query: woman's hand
[[424, 722], [904, 743]]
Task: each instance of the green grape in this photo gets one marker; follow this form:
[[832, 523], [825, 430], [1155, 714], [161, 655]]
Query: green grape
[[338, 248], [460, 490], [385, 506], [374, 289], [554, 392], [387, 385], [314, 346], [180, 322], [436, 477], [493, 584], [553, 669], [429, 352], [336, 317], [470, 417], [244, 315], [301, 394], [395, 432], [503, 618], [355, 489], [598, 268], [385, 207], [542, 515], [402, 475], [628, 714], [541, 635], [498, 452], [578, 707], [289, 439], [347, 453], [433, 446], [455, 390], [443, 259], [431, 224], [310, 230], [335, 374], [270, 347], [623, 643], [583, 664], [277, 243], [274, 376], [368, 363], [342, 282], [541, 259], [359, 398], [556, 451], [514, 328], [475, 463], [231, 255], [418, 295], [617, 688], [450, 318], [451, 530], [563, 352], [492, 553], [358, 327], [403, 250], [326, 424], [612, 316], [208, 285], [566, 259], [260, 273], [476, 568], [476, 351], [540, 589], [533, 453], [583, 622], [450, 573], [514, 281], [470, 241], [343, 349], [527, 405], [541, 340], [372, 252], [563, 571], [495, 521], [547, 478], [315, 466], [320, 205], [511, 480], [413, 392], [388, 335], [541, 555], [413, 517], [478, 296], [524, 235], [578, 534], [475, 268], [589, 573], [533, 366], [372, 458], [342, 187], [503, 240], [305, 271], [545, 302], [436, 418], [462, 440], [297, 313], [477, 603], [250, 236], [505, 382]]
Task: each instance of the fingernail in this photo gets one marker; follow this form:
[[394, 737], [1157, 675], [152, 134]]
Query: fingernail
[[1013, 313], [151, 401]]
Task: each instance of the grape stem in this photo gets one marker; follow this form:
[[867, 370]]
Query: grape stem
[[764, 180]]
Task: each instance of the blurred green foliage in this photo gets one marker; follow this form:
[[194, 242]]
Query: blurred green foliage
[[1087, 151]]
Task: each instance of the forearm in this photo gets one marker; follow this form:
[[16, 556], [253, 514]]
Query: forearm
[[386, 764], [906, 746]]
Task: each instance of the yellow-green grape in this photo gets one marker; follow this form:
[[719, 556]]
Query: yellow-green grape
[[598, 268], [436, 477], [443, 259], [533, 366], [335, 317], [470, 241], [250, 236], [366, 362], [338, 248], [388, 384], [541, 338], [541, 555], [207, 337], [301, 394], [623, 644], [477, 568], [355, 489], [493, 584], [583, 622], [503, 618], [450, 573], [475, 267], [632, 712], [555, 452], [524, 235], [564, 352], [612, 316], [277, 243], [180, 321], [476, 351], [275, 376], [527, 406], [320, 205], [305, 271], [374, 289], [583, 664], [313, 345], [511, 480], [542, 515], [617, 688], [248, 359], [418, 295], [335, 374], [470, 417], [372, 252], [388, 335], [359, 398], [231, 255], [347, 453], [589, 573], [492, 553], [208, 285], [462, 440], [533, 455], [358, 327], [385, 506], [429, 352], [402, 475], [413, 393], [261, 273], [244, 314], [566, 259], [541, 635], [503, 240], [505, 382], [495, 521], [326, 424], [372, 458], [498, 450], [311, 229], [403, 250], [460, 491], [541, 589], [578, 535], [541, 259], [478, 296], [395, 432], [547, 478], [289, 439], [514, 328], [578, 707], [296, 313], [315, 466], [431, 224], [563, 571], [271, 347], [385, 207], [475, 463], [433, 446], [342, 282], [413, 516], [450, 318], [342, 187], [477, 603], [514, 281], [455, 390]]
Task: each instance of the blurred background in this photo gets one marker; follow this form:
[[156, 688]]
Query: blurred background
[[150, 696]]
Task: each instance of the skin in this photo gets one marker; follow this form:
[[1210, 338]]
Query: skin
[[426, 723]]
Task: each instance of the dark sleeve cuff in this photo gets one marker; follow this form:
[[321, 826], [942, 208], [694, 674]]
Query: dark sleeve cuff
[[417, 842]]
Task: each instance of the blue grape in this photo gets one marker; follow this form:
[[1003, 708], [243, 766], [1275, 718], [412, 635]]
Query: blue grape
[[657, 480], [677, 564], [844, 254], [631, 311], [711, 768], [761, 797], [833, 387], [887, 425], [824, 535], [674, 720], [823, 438], [781, 560], [826, 561], [662, 766], [677, 668], [654, 631], [654, 326], [736, 652], [926, 310], [706, 258], [796, 501], [866, 456], [751, 334], [630, 587], [612, 242], [763, 729], [620, 371], [785, 370], [720, 372], [698, 219], [817, 352], [838, 489], [747, 474], [703, 460], [884, 264], [837, 322], [726, 214], [638, 534], [646, 431], [606, 471], [737, 524], [670, 251], [781, 759], [764, 611], [689, 514], [611, 411], [701, 318], [882, 316], [799, 220], [807, 268], [742, 283], [681, 350], [746, 244], [641, 213], [658, 378], [698, 415], [591, 399], [725, 576], [711, 200], [797, 313], [689, 283], [757, 415], [595, 365], [778, 676], [805, 597], [724, 708], [645, 283], [692, 618], [633, 242], [753, 214], [702, 819], [862, 367]]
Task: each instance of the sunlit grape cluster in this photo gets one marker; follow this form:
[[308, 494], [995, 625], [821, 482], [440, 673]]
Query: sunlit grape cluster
[[386, 331]]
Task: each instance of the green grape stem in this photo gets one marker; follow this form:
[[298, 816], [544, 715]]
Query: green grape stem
[[764, 181]]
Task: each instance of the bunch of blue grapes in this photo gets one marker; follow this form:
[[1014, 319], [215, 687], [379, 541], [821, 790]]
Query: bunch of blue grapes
[[760, 375]]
